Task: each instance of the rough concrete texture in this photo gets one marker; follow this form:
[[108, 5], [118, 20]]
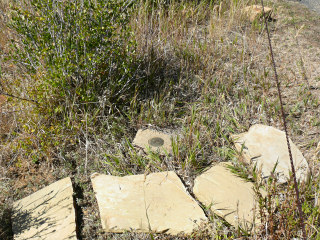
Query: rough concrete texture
[[156, 141], [265, 146], [157, 202], [227, 195], [46, 214], [255, 11]]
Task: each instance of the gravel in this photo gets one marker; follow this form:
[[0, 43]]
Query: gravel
[[311, 4]]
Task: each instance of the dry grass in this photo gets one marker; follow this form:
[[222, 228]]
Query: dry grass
[[213, 78]]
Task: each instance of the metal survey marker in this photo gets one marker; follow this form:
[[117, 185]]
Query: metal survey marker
[[156, 142]]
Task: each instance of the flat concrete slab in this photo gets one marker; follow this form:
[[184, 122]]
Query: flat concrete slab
[[227, 195], [255, 12], [153, 140], [157, 202], [265, 146], [46, 214]]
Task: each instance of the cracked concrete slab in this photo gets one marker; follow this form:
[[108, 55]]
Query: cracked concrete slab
[[157, 202]]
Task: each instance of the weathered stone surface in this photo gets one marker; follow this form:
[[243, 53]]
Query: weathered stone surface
[[46, 214], [228, 196], [157, 202], [156, 141], [255, 11], [265, 146]]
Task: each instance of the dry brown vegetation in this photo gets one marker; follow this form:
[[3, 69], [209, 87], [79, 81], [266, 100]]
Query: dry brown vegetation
[[211, 75]]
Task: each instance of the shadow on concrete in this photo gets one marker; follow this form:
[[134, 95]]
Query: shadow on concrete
[[39, 219]]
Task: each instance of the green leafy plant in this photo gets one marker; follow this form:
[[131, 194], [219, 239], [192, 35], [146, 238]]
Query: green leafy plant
[[75, 52]]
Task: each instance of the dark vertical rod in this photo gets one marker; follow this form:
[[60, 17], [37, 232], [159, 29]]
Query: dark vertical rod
[[302, 224]]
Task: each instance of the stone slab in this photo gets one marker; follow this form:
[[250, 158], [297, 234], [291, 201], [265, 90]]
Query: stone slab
[[255, 11], [157, 202], [154, 140], [46, 214], [227, 195], [265, 146]]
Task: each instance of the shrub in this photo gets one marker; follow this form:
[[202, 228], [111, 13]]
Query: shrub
[[76, 52]]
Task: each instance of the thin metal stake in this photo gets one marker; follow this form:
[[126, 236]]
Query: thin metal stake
[[302, 224]]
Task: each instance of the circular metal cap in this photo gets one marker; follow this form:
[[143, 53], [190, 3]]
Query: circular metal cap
[[156, 142]]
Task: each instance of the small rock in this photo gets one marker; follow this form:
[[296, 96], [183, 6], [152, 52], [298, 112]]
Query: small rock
[[157, 202], [265, 146], [46, 214], [156, 141], [228, 196], [255, 11]]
